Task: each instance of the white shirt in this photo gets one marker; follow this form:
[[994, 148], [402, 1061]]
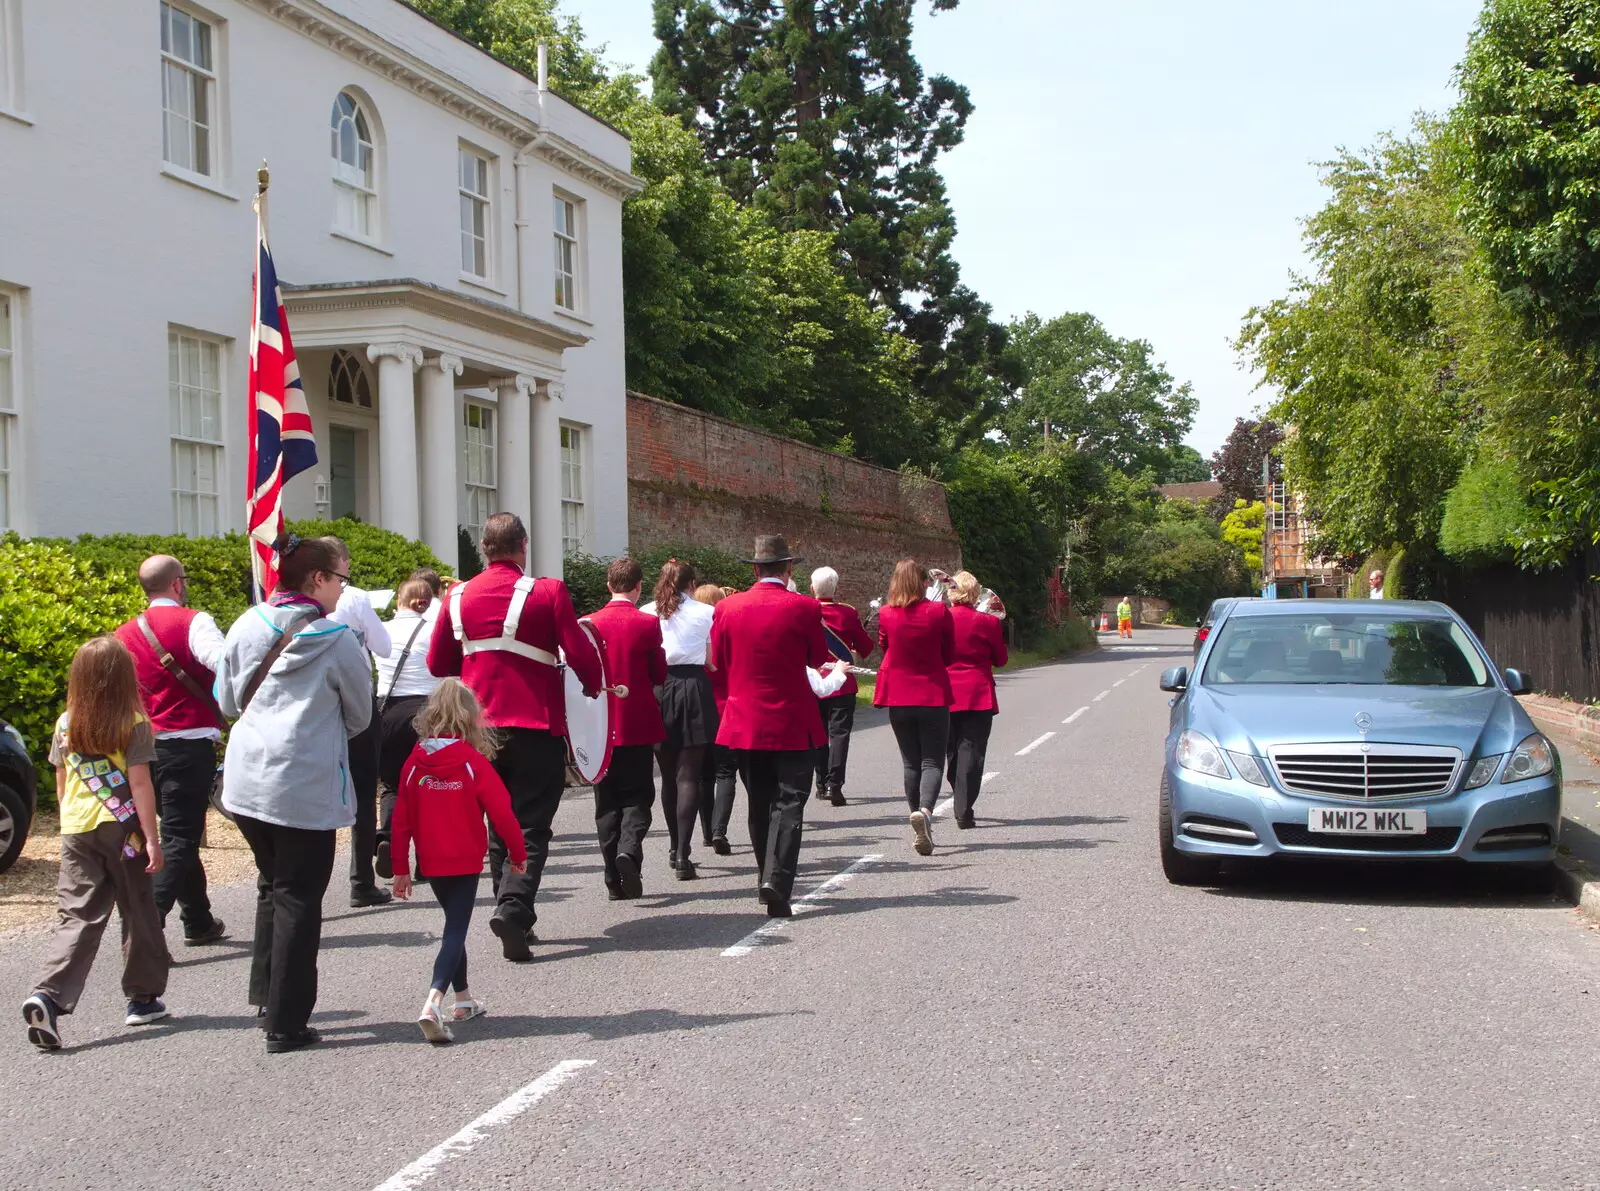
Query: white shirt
[[1376, 593], [206, 643], [355, 609], [686, 634], [823, 685], [414, 678]]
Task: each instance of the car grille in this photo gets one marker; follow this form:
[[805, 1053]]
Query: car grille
[[1298, 835], [1384, 771]]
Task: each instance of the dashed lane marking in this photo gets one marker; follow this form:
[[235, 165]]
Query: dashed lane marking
[[1028, 748], [778, 926], [1074, 715], [949, 799], [1119, 682], [513, 1106], [1099, 697]]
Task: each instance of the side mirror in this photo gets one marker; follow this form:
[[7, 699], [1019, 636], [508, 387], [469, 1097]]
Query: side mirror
[[1175, 679], [1518, 683]]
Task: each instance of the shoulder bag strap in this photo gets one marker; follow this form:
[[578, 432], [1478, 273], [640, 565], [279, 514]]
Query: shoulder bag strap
[[278, 647], [185, 679], [383, 705]]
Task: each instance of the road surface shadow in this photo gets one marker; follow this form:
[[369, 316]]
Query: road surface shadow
[[985, 823], [1367, 883], [502, 1027], [200, 1023]]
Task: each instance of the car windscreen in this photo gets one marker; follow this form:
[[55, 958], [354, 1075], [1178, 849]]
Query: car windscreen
[[1367, 648]]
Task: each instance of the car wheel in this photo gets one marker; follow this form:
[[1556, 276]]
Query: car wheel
[[14, 824], [1179, 867]]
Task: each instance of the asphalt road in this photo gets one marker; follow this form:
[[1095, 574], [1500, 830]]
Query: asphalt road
[[1031, 1006]]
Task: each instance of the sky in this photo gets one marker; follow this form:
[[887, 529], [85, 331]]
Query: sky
[[1148, 161]]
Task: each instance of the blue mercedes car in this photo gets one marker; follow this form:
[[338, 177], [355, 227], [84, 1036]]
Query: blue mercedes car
[[1373, 729]]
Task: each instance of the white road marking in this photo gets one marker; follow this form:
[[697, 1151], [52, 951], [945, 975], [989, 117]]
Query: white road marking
[[1074, 715], [800, 905], [513, 1106], [1119, 682], [950, 799], [1028, 748], [1099, 697]]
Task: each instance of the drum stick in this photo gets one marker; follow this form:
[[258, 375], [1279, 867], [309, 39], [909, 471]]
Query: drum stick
[[620, 690]]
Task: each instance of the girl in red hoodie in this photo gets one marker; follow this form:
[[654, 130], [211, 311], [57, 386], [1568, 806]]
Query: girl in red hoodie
[[446, 787]]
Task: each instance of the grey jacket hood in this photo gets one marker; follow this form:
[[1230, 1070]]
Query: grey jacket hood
[[288, 754]]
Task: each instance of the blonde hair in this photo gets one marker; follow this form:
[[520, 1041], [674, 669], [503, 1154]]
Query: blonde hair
[[964, 589], [453, 711], [414, 595], [709, 593]]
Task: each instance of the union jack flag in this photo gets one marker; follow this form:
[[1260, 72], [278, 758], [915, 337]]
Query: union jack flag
[[282, 444]]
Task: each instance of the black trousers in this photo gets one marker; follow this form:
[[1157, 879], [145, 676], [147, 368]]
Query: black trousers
[[839, 718], [921, 733], [533, 764], [397, 736], [622, 801], [457, 895], [717, 776], [777, 784], [183, 772], [364, 784], [293, 867], [965, 754]]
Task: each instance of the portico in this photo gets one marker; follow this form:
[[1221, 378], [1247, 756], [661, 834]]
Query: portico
[[435, 351]]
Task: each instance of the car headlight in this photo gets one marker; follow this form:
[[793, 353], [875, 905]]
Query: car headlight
[[1199, 754], [1483, 772], [17, 736], [1249, 768], [1532, 758]]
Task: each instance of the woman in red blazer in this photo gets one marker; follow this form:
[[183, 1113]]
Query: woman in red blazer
[[980, 646], [918, 643]]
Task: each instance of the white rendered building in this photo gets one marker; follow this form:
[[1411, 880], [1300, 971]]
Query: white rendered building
[[447, 233]]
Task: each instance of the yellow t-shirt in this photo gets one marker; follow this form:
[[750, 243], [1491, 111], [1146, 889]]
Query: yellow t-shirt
[[82, 810]]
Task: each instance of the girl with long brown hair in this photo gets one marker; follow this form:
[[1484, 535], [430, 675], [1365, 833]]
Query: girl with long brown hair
[[102, 749], [688, 706], [918, 640]]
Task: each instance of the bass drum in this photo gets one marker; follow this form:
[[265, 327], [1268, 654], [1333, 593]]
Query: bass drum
[[588, 722]]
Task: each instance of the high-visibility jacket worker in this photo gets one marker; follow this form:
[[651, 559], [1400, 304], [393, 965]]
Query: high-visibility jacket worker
[[1124, 618], [499, 632]]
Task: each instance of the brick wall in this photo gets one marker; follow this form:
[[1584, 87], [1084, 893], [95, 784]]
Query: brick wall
[[696, 478]]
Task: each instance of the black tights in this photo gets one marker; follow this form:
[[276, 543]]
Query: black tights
[[680, 792]]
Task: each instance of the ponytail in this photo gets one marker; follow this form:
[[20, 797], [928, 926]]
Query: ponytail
[[677, 578]]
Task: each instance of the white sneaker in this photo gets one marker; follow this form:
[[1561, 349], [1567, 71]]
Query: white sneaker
[[432, 1023], [922, 831]]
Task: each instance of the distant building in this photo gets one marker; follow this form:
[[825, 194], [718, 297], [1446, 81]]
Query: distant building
[[1203, 492], [449, 237], [1288, 570]]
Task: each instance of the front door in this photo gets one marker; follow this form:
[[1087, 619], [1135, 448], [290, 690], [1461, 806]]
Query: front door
[[343, 444]]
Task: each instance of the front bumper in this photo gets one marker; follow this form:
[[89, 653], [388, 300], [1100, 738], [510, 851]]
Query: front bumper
[[1499, 823]]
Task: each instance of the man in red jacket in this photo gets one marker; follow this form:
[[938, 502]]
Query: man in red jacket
[[499, 632], [635, 658], [764, 639], [838, 710], [175, 651]]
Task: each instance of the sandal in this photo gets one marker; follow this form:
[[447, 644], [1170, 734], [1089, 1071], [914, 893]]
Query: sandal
[[469, 1009]]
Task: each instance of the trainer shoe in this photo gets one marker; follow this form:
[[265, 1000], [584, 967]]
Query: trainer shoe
[[369, 895], [214, 933], [922, 832], [39, 1011], [142, 1013]]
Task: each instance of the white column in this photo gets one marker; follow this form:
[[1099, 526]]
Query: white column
[[547, 552], [514, 446], [397, 436], [441, 493]]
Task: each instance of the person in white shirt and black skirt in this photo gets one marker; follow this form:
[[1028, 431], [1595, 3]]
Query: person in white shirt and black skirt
[[688, 707]]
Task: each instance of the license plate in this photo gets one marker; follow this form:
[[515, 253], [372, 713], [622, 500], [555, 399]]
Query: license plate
[[1364, 821]]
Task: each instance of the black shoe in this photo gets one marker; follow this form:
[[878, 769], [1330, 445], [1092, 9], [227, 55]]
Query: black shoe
[[721, 846], [777, 905], [672, 861], [370, 895], [278, 1044], [966, 822], [214, 933], [836, 796], [614, 893], [381, 864], [261, 1017], [39, 1011], [513, 939], [686, 870], [628, 878]]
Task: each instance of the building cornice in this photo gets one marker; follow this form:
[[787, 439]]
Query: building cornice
[[408, 294], [564, 155]]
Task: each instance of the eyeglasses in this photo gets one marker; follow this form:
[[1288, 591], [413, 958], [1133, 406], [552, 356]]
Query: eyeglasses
[[344, 580]]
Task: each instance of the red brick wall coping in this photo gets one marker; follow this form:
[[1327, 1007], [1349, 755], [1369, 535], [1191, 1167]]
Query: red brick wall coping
[[1578, 722]]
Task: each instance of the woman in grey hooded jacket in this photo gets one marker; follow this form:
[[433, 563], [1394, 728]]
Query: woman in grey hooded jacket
[[287, 780]]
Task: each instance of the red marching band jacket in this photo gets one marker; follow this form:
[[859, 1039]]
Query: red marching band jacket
[[762, 640], [980, 646], [170, 706], [846, 625], [631, 642], [499, 632], [918, 646]]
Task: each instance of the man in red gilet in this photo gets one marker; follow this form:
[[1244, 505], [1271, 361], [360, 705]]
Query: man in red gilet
[[499, 632], [175, 651], [635, 658], [764, 639]]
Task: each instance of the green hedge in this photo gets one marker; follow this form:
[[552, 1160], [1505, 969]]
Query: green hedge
[[1485, 514], [586, 575], [55, 594]]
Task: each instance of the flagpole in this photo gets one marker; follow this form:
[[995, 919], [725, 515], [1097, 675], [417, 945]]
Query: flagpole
[[257, 569]]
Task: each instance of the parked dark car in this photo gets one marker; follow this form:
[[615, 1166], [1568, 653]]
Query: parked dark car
[[17, 778], [1213, 614]]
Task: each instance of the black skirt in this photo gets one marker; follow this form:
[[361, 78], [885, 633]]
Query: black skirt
[[688, 707]]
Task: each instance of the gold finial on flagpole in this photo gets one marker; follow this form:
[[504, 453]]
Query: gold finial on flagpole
[[261, 177]]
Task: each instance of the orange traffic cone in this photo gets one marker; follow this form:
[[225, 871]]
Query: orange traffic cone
[[1105, 621]]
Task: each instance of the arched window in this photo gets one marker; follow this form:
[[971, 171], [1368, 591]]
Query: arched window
[[355, 176], [347, 381]]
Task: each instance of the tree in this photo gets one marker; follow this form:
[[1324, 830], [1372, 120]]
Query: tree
[[1180, 557], [1244, 527], [1237, 465]]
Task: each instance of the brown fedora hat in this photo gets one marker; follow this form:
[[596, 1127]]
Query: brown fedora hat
[[771, 548]]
